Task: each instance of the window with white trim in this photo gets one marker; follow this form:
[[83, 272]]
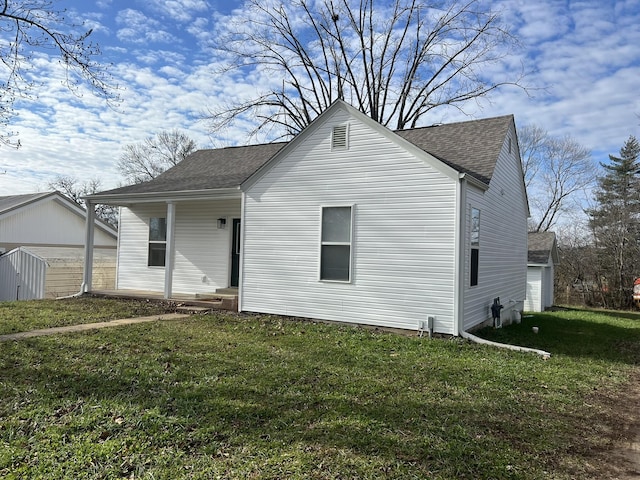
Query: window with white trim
[[475, 247], [335, 245], [157, 241]]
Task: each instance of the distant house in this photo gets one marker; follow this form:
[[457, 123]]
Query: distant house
[[48, 219], [348, 222], [42, 247], [541, 260]]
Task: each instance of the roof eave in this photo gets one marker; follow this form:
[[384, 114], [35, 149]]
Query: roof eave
[[473, 181], [175, 196]]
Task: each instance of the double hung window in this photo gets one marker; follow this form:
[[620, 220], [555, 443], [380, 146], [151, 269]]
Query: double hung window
[[157, 241], [335, 247]]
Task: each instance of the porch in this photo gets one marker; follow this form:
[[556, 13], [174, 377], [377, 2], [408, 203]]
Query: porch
[[221, 299]]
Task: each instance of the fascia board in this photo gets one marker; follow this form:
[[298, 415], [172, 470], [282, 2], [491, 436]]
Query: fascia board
[[155, 197]]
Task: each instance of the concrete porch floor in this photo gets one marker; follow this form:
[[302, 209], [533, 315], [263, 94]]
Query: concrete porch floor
[[223, 299]]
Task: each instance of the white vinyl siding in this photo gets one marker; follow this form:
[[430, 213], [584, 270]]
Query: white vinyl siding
[[547, 284], [47, 222], [202, 250], [403, 233], [503, 242]]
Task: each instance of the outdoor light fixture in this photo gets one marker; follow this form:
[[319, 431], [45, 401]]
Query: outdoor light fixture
[[222, 222]]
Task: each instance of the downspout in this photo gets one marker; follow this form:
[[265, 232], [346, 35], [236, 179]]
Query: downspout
[[517, 348]]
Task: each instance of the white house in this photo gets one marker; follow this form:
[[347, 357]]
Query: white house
[[348, 222], [542, 258]]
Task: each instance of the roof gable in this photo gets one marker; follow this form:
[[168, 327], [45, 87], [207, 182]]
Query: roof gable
[[470, 147], [9, 205], [12, 202]]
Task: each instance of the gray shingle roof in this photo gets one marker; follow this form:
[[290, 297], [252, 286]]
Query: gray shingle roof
[[540, 246], [469, 147], [208, 170], [11, 202]]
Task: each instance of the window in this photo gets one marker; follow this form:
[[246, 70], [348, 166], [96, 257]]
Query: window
[[475, 246], [157, 241], [335, 248]]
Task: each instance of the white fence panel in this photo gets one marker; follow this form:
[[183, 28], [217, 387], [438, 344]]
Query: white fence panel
[[22, 275]]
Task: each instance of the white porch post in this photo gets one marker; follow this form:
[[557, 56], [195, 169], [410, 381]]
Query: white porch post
[[88, 248], [170, 250]]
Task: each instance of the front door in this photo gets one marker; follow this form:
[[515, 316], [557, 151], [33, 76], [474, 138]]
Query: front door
[[235, 254]]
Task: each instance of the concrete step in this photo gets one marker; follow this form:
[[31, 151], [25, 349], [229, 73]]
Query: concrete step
[[227, 291], [215, 295]]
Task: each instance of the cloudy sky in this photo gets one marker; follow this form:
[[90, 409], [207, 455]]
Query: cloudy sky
[[583, 55]]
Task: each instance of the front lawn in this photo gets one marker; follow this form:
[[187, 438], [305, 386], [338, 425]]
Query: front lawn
[[21, 316], [233, 396]]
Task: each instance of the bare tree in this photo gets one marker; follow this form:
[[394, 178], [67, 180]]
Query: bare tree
[[532, 140], [35, 25], [141, 162], [74, 189], [556, 170], [576, 274], [395, 60]]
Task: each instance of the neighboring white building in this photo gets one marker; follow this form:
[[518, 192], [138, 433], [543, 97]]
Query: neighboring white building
[[348, 222], [42, 239], [48, 219], [542, 258]]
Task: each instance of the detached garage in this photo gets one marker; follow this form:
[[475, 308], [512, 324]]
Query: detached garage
[[542, 257]]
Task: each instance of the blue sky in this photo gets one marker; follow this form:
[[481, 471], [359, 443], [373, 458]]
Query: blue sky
[[584, 57]]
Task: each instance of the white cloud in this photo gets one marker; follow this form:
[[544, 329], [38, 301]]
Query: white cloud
[[139, 28], [180, 10], [585, 53]]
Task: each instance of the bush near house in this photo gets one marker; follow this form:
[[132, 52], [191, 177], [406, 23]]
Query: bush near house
[[242, 396]]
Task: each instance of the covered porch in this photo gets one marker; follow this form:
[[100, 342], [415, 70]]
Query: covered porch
[[184, 249]]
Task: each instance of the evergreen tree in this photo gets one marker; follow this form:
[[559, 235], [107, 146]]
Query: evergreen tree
[[615, 224]]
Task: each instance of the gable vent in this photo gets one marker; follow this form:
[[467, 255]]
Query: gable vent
[[339, 138]]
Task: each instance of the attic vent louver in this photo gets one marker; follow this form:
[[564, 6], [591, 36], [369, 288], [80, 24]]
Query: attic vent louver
[[339, 138]]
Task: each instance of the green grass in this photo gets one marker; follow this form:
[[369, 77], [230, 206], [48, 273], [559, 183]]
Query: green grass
[[589, 335], [228, 396], [24, 316]]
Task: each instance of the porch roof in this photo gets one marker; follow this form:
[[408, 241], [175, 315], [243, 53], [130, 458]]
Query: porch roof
[[212, 170]]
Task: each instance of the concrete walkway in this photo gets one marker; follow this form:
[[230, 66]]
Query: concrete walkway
[[90, 326]]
